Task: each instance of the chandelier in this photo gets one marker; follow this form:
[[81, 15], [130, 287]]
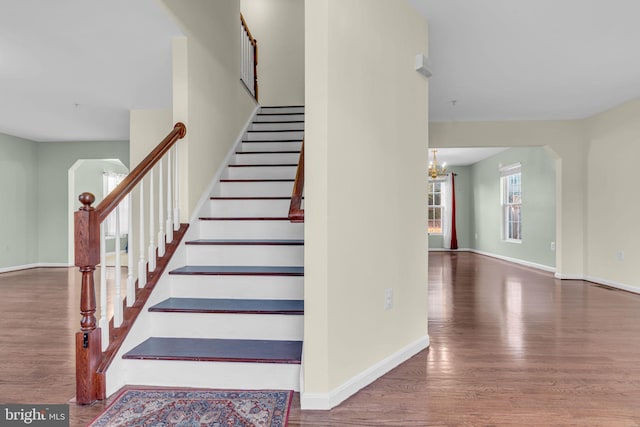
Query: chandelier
[[435, 170]]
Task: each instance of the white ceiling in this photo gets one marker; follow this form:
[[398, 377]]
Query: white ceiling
[[531, 59], [72, 69]]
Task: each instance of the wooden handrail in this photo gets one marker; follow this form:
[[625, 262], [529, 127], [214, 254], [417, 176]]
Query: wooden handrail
[[296, 213], [91, 362], [113, 199], [254, 44]]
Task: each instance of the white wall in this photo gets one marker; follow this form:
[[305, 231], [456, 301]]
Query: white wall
[[278, 27], [365, 215], [207, 93], [613, 205]]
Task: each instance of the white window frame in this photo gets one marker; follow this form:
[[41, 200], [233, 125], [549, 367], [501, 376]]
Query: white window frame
[[440, 206], [508, 206], [110, 181]]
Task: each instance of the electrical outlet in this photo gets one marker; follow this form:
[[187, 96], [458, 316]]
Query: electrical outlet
[[553, 246], [620, 255], [388, 299], [476, 235]]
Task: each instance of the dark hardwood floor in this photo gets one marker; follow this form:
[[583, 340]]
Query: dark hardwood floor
[[510, 346]]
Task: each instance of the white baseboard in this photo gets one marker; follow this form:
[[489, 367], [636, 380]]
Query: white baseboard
[[450, 250], [568, 276], [326, 401], [207, 194], [36, 265], [516, 261], [612, 284]]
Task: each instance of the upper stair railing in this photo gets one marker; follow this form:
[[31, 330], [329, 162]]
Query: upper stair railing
[[296, 211], [98, 341], [249, 59]]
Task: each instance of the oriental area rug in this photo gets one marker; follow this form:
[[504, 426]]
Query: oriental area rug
[[196, 407]]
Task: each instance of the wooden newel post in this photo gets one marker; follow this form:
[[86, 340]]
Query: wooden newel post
[[89, 386]]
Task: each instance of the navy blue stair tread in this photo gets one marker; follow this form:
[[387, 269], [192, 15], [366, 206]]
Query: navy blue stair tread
[[243, 306], [218, 350], [228, 270], [247, 242]]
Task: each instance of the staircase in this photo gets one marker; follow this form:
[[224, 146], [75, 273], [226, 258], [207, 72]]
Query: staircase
[[233, 316]]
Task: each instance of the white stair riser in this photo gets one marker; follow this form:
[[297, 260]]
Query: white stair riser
[[228, 326], [249, 208], [256, 255], [267, 159], [217, 375], [250, 230], [274, 136], [237, 287], [262, 172], [282, 110], [248, 147], [287, 124], [256, 189], [279, 117]]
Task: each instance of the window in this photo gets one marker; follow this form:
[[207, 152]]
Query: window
[[110, 181], [511, 183], [436, 189]]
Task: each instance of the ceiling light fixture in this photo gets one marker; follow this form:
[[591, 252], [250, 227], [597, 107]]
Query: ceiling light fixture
[[435, 170]]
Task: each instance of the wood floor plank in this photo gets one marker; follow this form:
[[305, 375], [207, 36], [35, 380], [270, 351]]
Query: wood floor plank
[[510, 346]]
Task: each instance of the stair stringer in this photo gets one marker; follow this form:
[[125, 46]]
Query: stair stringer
[[120, 372]]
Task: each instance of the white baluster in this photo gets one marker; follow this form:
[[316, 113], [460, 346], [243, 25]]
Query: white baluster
[[169, 225], [176, 199], [160, 210], [117, 300], [104, 322], [152, 226], [142, 263], [131, 283]]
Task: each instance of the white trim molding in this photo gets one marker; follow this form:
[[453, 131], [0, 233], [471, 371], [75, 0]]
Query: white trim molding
[[326, 401], [568, 276], [516, 261], [612, 284], [36, 265]]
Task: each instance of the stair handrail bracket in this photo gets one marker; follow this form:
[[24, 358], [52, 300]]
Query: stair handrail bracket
[[95, 342]]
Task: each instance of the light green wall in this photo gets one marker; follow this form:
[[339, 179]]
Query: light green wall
[[53, 162], [567, 140], [34, 189], [464, 190], [538, 206], [18, 202]]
